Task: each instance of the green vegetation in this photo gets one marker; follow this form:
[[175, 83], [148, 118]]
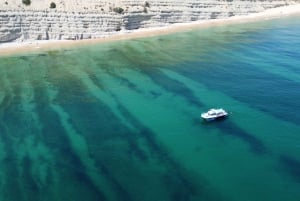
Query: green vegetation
[[52, 5], [26, 2], [118, 10], [146, 5], [145, 10], [118, 28]]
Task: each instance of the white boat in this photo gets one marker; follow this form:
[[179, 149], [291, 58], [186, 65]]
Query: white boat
[[214, 114]]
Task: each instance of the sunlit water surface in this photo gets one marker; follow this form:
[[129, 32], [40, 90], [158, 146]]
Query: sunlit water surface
[[121, 120]]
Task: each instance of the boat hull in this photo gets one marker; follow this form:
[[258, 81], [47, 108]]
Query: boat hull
[[214, 118]]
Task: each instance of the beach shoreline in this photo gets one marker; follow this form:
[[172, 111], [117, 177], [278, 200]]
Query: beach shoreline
[[40, 45]]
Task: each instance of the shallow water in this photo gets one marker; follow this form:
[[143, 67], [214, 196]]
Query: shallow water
[[120, 121]]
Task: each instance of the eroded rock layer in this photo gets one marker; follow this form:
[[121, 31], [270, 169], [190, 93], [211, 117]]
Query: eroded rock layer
[[73, 19]]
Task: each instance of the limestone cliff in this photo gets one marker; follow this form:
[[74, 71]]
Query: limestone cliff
[[73, 19]]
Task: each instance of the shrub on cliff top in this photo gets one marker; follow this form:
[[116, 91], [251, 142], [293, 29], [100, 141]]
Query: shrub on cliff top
[[52, 5], [118, 10], [26, 2]]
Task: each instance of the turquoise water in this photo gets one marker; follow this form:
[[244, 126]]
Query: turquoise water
[[121, 120]]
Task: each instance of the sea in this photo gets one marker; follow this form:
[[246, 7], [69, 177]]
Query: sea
[[120, 121]]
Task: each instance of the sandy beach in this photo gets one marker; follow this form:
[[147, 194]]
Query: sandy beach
[[33, 46]]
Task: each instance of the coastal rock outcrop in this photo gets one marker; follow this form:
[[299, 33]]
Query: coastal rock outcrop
[[75, 20]]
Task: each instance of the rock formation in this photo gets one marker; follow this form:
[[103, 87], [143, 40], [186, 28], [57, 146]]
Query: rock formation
[[74, 19]]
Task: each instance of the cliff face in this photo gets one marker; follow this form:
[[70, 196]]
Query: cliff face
[[73, 19]]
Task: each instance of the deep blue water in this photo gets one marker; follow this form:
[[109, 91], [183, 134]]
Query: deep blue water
[[121, 120]]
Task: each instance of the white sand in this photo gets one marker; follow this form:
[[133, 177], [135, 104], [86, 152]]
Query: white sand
[[32, 46]]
